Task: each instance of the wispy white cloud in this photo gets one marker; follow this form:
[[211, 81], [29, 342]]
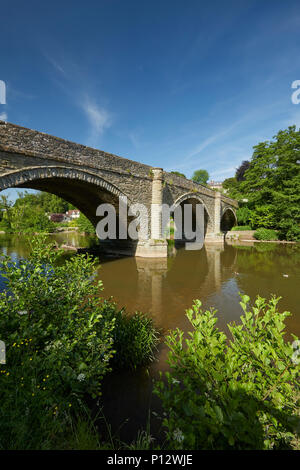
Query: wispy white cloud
[[134, 139], [99, 118], [70, 75], [3, 117], [56, 65]]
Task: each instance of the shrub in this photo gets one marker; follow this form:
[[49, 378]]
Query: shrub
[[59, 336], [240, 228], [237, 394], [58, 345], [289, 230], [265, 234]]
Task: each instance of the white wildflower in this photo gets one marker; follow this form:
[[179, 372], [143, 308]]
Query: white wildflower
[[175, 381], [81, 377], [178, 435]]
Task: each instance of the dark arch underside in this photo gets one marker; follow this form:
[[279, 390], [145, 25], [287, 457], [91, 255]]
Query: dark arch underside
[[228, 220], [83, 190]]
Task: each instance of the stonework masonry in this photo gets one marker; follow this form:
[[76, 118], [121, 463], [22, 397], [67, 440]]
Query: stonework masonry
[[87, 177]]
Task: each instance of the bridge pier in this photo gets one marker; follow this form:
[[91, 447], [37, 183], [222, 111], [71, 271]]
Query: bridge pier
[[215, 236], [156, 247]]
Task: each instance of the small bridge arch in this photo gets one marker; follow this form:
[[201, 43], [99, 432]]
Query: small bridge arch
[[228, 219]]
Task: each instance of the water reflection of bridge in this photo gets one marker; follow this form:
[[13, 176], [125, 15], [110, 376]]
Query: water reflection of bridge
[[160, 280]]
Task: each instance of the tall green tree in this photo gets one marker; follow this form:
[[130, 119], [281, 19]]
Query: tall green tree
[[240, 171], [200, 176], [272, 182]]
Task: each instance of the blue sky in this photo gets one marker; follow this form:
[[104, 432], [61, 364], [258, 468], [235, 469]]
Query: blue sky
[[176, 84]]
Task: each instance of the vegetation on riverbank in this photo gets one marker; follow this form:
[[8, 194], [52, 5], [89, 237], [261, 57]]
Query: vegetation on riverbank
[[268, 187], [28, 214], [265, 234], [60, 338]]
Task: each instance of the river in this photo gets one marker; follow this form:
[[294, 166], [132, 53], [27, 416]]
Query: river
[[164, 288]]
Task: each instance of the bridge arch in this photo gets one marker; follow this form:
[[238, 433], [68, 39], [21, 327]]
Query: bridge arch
[[81, 188], [228, 219], [194, 198]]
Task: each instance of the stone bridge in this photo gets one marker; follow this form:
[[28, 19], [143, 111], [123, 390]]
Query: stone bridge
[[87, 177]]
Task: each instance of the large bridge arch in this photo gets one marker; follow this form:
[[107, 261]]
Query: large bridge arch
[[194, 198], [83, 189]]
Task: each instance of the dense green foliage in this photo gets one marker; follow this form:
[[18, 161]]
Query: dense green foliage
[[265, 234], [29, 212], [85, 225], [243, 215], [60, 339], [237, 394], [271, 185], [200, 176], [26, 219], [46, 201]]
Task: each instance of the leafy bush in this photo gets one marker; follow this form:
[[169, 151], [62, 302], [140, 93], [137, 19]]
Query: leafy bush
[[240, 228], [26, 219], [237, 394], [59, 336], [58, 345], [289, 230], [265, 234]]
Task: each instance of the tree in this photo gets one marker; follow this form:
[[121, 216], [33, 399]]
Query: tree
[[232, 187], [240, 172], [5, 206], [85, 225], [46, 201], [200, 176], [272, 183], [28, 213]]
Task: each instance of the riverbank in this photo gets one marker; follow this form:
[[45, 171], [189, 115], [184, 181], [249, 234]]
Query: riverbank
[[248, 236]]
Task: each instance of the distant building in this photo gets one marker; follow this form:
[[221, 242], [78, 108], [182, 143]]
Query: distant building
[[218, 185], [215, 184], [73, 214], [67, 217], [57, 217]]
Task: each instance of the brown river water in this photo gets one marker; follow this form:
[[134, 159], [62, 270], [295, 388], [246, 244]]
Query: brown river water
[[165, 288]]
